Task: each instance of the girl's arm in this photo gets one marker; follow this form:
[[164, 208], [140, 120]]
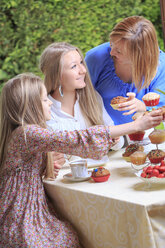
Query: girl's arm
[[93, 142]]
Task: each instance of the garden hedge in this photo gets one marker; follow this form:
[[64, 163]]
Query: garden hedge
[[28, 26]]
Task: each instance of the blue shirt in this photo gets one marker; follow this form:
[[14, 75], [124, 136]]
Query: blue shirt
[[103, 76]]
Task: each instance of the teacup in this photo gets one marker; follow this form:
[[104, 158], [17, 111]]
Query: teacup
[[79, 168]]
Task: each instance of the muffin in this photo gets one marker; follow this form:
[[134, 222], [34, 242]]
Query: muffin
[[157, 136], [138, 157], [117, 100], [100, 174], [130, 150], [138, 136], [151, 99], [156, 156]]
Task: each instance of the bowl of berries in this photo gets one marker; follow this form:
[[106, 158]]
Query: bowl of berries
[[153, 173]]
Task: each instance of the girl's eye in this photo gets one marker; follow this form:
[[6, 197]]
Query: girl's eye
[[74, 66], [81, 62]]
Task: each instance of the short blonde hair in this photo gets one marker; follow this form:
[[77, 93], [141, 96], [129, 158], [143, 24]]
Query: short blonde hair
[[51, 66], [140, 39]]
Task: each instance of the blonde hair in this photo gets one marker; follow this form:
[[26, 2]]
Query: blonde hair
[[20, 105], [140, 39], [51, 66]]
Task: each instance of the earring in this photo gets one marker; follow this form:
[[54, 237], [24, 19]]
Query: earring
[[61, 91]]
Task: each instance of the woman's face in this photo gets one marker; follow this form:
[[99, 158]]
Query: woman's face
[[46, 104], [122, 63], [73, 72]]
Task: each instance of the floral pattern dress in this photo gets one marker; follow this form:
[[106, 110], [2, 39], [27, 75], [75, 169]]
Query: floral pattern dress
[[26, 219]]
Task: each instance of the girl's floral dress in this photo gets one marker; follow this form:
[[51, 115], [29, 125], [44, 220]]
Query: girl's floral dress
[[26, 220]]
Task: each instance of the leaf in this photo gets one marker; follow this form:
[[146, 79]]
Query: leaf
[[160, 126], [161, 91], [3, 75]]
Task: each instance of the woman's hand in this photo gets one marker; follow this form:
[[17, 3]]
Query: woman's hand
[[132, 105]]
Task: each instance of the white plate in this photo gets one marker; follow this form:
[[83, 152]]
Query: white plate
[[152, 180], [69, 177]]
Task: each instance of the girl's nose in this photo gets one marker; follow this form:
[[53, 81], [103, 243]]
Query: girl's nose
[[82, 69]]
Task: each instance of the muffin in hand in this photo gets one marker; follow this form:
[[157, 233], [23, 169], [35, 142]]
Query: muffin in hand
[[117, 100]]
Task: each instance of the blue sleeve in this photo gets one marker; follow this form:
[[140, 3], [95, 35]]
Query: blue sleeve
[[159, 81]]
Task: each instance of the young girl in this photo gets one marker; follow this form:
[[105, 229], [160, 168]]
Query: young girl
[[26, 220], [76, 104]]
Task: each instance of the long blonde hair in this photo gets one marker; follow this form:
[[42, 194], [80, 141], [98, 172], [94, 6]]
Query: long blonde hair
[[51, 66], [20, 105], [140, 39]]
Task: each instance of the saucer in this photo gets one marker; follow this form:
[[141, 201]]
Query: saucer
[[69, 177]]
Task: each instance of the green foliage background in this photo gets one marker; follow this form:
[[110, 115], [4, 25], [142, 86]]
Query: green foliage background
[[28, 26]]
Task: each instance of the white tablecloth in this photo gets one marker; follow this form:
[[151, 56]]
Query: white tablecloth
[[123, 212]]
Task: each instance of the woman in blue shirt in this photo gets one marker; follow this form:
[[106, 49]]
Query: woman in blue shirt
[[131, 62]]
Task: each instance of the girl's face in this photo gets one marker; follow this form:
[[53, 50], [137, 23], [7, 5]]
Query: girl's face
[[46, 104], [73, 72]]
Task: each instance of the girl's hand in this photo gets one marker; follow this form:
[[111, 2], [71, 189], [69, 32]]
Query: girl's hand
[[132, 105], [57, 168], [152, 119], [58, 158], [58, 161]]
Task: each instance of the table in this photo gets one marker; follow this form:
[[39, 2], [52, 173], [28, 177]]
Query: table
[[120, 213]]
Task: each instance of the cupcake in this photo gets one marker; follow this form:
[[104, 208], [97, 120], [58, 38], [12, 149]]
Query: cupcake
[[130, 150], [151, 99], [138, 136], [117, 100], [100, 174], [156, 156], [157, 136], [138, 158]]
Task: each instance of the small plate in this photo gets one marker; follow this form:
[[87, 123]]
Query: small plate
[[69, 177], [152, 180]]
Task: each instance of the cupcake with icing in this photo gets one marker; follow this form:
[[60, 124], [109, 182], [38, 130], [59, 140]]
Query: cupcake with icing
[[151, 99]]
